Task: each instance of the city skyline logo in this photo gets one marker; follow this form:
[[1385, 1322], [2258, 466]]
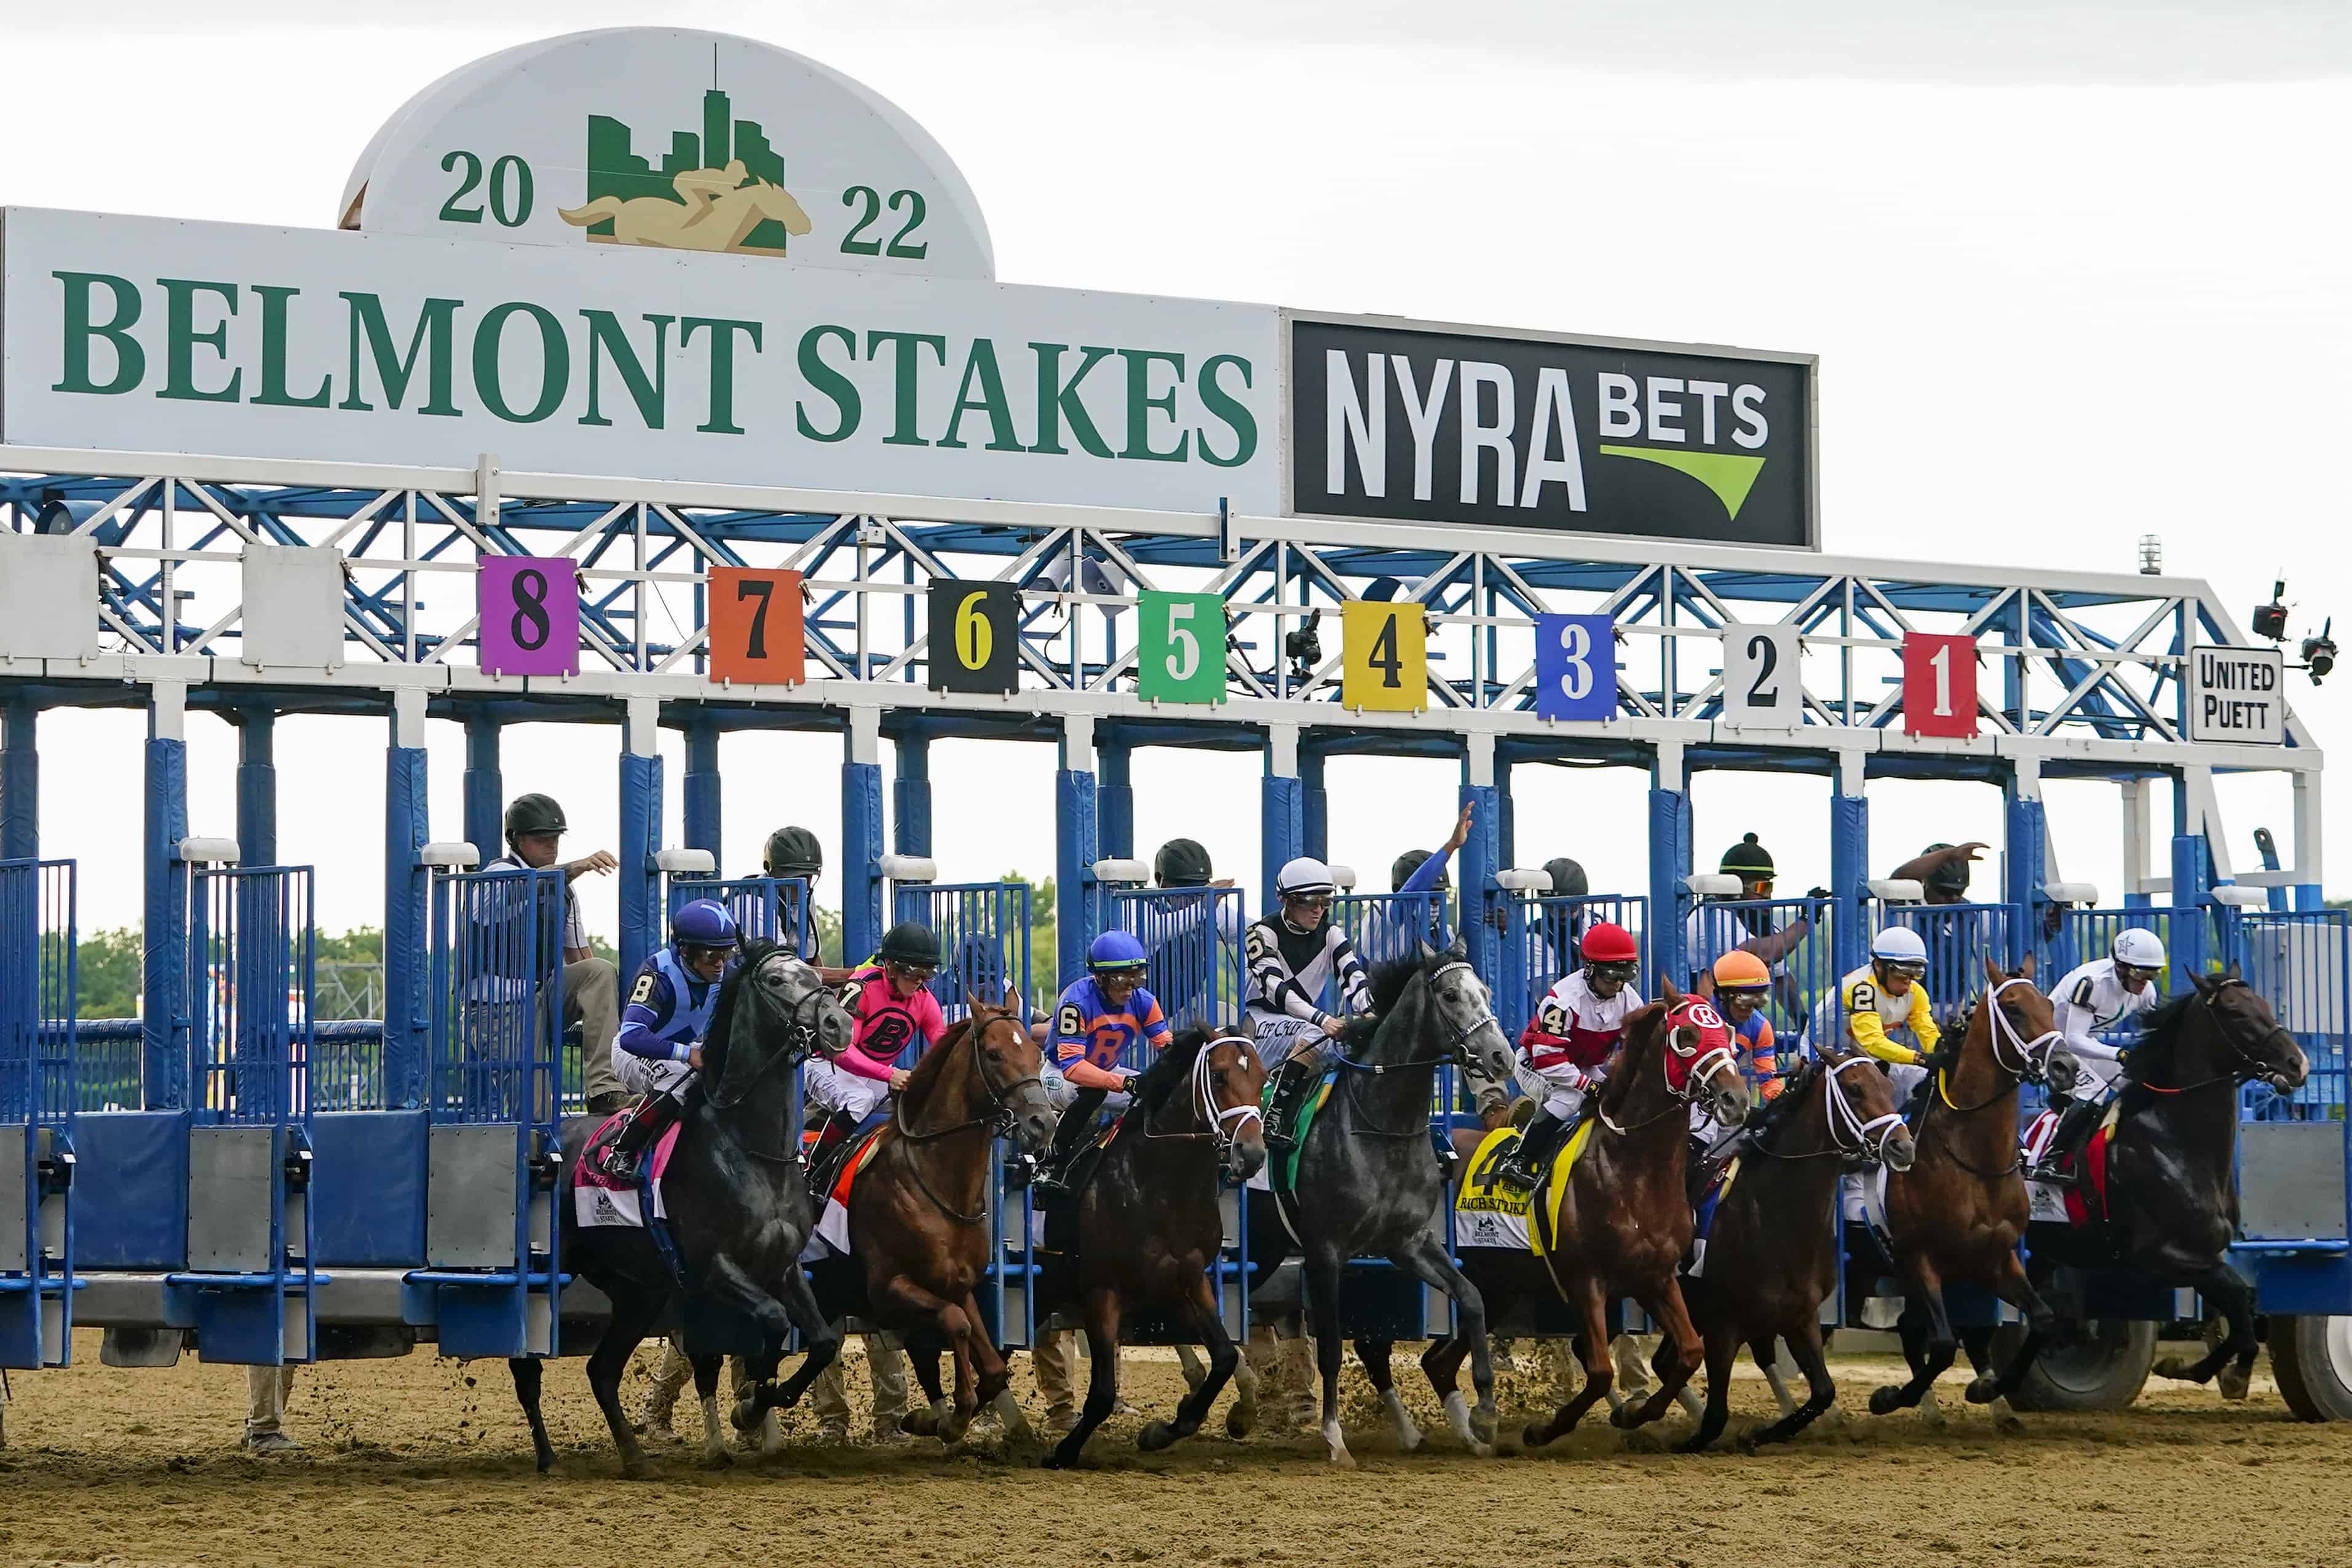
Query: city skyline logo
[[721, 189]]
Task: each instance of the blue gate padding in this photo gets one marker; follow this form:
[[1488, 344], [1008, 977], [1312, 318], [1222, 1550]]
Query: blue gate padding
[[37, 1093]]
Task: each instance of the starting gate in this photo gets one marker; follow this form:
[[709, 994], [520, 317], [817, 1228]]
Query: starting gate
[[1193, 936], [38, 1091], [2292, 1150], [766, 909], [1541, 943], [1800, 979], [490, 1282]]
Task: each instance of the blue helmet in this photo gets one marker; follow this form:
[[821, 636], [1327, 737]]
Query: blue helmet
[[1115, 950], [705, 922]]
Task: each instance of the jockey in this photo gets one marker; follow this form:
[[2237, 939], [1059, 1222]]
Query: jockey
[[1576, 1030], [1885, 998], [1096, 1023], [2093, 1000], [1742, 986], [660, 1048], [1292, 956], [890, 1001]]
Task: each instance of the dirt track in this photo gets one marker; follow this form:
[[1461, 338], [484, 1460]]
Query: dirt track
[[423, 1461]]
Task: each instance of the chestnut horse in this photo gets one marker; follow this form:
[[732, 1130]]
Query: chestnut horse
[[1960, 1210], [1771, 1250], [1149, 1227], [919, 1232]]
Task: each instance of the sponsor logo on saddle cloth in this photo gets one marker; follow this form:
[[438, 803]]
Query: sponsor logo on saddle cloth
[[597, 1199], [2063, 1204], [1489, 1213]]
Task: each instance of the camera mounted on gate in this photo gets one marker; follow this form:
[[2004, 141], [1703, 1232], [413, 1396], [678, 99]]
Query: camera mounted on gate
[[2316, 651], [1303, 648]]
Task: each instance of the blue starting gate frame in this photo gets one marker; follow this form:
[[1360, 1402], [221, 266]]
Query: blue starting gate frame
[[37, 986], [1193, 938], [766, 909], [1540, 944]]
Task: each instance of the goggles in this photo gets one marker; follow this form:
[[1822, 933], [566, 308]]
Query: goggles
[[1616, 968], [2135, 972], [1129, 974], [1912, 967], [910, 971]]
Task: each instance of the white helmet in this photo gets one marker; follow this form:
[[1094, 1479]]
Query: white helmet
[[2138, 947], [1305, 877], [1898, 944]]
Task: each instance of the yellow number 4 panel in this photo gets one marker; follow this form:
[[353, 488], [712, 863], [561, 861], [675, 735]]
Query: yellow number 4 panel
[[1385, 656]]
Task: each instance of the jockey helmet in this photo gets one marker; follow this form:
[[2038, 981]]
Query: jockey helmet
[[1899, 946], [2138, 947], [1748, 861], [1305, 877], [1741, 970], [1609, 946], [705, 922], [1400, 872], [911, 945], [1567, 878], [793, 852], [1116, 951], [1951, 877], [533, 813], [1183, 863]]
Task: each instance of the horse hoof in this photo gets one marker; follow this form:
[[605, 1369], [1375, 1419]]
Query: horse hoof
[[1482, 1451], [718, 1460], [1238, 1423], [922, 1423], [1056, 1459], [1534, 1434], [2010, 1423], [1159, 1435], [2183, 1371], [1888, 1400], [546, 1461], [2233, 1380], [1982, 1389], [635, 1468]]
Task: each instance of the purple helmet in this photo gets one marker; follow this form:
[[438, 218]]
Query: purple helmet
[[705, 922]]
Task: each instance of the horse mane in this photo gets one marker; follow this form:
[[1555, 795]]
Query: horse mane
[[1168, 1070], [927, 1066], [1390, 980], [2159, 1032], [1620, 1082], [721, 1035]]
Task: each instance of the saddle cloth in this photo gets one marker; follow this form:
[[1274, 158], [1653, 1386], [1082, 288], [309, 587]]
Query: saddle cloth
[[597, 1199], [1487, 1213], [831, 1236], [2064, 1203]]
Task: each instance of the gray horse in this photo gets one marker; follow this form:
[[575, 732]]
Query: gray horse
[[1369, 1182], [739, 1205]]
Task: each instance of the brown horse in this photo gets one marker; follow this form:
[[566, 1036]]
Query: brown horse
[[1771, 1250], [1624, 1221], [1149, 1227], [1958, 1212], [918, 1232]]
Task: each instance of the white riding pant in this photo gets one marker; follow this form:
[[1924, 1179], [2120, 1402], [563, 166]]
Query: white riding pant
[[1561, 1099], [1905, 1078], [1276, 1036], [831, 1088], [644, 1075]]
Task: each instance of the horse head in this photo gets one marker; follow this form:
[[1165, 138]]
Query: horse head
[[1858, 1103], [2252, 1032], [775, 1008], [770, 200], [1698, 1059], [1465, 1011], [2016, 1026], [1228, 1086], [1010, 1067]]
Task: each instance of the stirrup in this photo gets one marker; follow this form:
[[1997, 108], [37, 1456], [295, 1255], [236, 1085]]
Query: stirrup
[[1519, 1175]]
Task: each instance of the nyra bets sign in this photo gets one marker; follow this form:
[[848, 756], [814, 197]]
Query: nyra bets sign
[[2237, 694], [672, 140]]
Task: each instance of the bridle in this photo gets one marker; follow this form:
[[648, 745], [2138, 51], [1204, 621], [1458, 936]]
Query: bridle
[[1850, 1136], [998, 1116], [1698, 1068], [1456, 1054], [2244, 1068], [2006, 1038], [800, 1034], [1219, 1125]]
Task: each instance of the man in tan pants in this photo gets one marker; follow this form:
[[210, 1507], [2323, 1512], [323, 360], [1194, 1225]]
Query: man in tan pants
[[886, 1364], [266, 1391], [535, 827]]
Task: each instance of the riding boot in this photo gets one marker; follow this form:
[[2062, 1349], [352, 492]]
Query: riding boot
[[2073, 1124], [838, 1127], [647, 1119], [1069, 1136], [1698, 1171], [1294, 1081], [1527, 1160]]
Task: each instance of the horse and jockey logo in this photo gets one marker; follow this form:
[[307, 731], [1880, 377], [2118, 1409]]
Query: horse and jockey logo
[[722, 191]]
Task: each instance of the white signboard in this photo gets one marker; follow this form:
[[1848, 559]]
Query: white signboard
[[2237, 695], [293, 607], [673, 139], [146, 334], [1763, 688]]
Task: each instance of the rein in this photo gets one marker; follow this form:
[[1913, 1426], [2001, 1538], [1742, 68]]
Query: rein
[[998, 1114], [1454, 1056], [800, 1045], [2244, 1068], [1703, 1068], [1868, 1138], [2004, 1033], [1221, 1127]]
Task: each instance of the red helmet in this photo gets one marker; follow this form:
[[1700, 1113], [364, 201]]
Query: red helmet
[[1604, 943]]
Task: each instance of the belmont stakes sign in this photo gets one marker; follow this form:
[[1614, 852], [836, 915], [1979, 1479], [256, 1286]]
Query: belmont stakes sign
[[660, 254]]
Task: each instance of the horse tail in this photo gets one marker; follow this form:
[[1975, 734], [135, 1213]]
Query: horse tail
[[597, 211]]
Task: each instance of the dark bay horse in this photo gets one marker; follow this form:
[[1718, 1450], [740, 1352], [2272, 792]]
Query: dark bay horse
[[1370, 1183], [1624, 1218], [2172, 1195], [738, 1207], [1773, 1248], [1149, 1227], [1958, 1212], [919, 1209]]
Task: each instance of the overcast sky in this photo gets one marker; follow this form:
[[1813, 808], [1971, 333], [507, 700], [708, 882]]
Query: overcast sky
[[2075, 272]]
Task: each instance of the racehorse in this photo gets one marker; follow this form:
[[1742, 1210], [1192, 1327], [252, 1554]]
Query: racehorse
[[1771, 1250], [739, 1208], [1369, 1182], [2171, 1162], [918, 1234], [1960, 1210], [1148, 1225], [1623, 1221]]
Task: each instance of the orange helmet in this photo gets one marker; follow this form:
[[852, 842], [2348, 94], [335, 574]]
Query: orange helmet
[[1739, 970]]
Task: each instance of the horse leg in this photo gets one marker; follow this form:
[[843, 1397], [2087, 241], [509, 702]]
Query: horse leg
[[526, 1374], [1102, 1311], [1323, 1309], [1722, 1349], [914, 1301], [634, 1315], [1676, 1328], [926, 1422], [1225, 1357], [995, 1373], [1659, 1363], [1592, 1343], [821, 1337], [715, 1456], [1934, 1352], [2015, 1286], [1768, 1362], [2227, 1289], [1374, 1354], [1425, 1257], [1805, 1349], [1188, 1363]]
